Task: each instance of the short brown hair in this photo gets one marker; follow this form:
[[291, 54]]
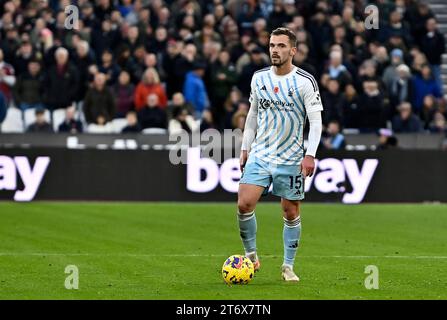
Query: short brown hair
[[287, 32]]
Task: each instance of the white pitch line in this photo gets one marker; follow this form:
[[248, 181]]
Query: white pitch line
[[5, 254]]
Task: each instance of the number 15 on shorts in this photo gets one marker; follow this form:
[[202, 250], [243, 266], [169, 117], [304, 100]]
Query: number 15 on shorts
[[297, 183]]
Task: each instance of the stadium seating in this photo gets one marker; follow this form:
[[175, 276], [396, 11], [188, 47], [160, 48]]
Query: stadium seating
[[58, 118], [118, 125], [154, 131], [13, 122]]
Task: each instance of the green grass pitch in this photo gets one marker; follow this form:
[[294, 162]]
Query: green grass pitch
[[176, 250]]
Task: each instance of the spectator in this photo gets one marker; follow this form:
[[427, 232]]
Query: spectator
[[359, 50], [126, 7], [401, 88], [83, 58], [230, 107], [433, 46], [178, 100], [136, 64], [429, 109], [239, 119], [333, 102], [367, 70], [170, 59], [29, 88], [70, 124], [371, 107], [124, 92], [405, 121], [395, 27], [417, 19], [150, 84], [61, 82], [350, 104], [386, 140], [223, 78], [10, 43], [7, 77], [100, 125], [207, 34], [248, 15], [109, 67], [132, 123], [23, 57], [243, 55], [332, 138], [438, 124], [133, 39], [301, 59], [418, 60], [152, 115], [182, 121], [40, 125], [336, 70], [104, 38], [381, 58], [88, 16], [257, 62], [424, 84], [183, 65], [99, 100], [390, 72], [194, 89], [207, 121]]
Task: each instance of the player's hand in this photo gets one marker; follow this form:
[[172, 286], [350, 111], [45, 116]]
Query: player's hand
[[243, 159], [308, 166]]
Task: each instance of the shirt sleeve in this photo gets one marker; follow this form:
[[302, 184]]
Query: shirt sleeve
[[315, 128], [251, 123], [314, 107], [253, 96], [311, 96]]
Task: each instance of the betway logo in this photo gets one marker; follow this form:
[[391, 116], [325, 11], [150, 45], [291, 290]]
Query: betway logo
[[333, 172], [330, 174], [31, 177]]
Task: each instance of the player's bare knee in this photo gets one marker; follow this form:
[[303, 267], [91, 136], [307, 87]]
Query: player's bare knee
[[245, 206], [290, 212]]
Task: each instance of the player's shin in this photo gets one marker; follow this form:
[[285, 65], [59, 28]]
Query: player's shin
[[291, 236], [247, 229]]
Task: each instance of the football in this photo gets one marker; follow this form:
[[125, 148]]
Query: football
[[237, 269]]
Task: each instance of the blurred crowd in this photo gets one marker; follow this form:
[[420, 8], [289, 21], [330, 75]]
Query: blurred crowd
[[187, 64]]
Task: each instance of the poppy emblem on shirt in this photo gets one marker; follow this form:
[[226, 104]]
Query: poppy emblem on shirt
[[276, 90]]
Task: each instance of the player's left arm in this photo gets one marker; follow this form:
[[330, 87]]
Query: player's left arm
[[314, 107]]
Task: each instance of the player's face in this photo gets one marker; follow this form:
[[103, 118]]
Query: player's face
[[281, 52]]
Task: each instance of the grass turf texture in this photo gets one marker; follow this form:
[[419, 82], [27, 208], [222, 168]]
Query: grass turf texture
[[176, 251]]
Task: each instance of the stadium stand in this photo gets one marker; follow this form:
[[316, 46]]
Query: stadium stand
[[144, 47]]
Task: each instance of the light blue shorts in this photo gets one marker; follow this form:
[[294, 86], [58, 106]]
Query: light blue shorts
[[287, 180]]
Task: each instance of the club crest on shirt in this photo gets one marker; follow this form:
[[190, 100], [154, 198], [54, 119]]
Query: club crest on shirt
[[290, 92], [276, 90]]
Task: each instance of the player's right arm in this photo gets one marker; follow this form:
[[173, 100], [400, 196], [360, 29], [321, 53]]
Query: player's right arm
[[251, 125]]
